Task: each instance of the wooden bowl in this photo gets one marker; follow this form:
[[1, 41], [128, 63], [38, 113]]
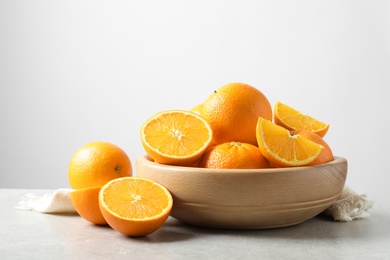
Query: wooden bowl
[[248, 198]]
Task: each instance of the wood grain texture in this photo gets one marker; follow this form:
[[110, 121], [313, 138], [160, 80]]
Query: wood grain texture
[[248, 199]]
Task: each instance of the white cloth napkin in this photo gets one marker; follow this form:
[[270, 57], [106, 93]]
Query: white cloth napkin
[[347, 207], [57, 202]]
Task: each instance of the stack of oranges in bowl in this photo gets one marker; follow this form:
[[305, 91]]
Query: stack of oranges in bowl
[[236, 162], [236, 127]]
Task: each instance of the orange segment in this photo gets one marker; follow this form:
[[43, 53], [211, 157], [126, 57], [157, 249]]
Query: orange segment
[[176, 137], [283, 148], [86, 203], [293, 119], [135, 206]]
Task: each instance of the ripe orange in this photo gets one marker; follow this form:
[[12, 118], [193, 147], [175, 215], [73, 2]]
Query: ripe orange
[[232, 112], [135, 206], [326, 154], [292, 119], [283, 148], [176, 137], [234, 155], [197, 109], [96, 163], [86, 203]]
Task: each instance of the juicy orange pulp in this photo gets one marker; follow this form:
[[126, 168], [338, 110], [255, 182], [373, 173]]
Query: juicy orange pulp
[[135, 206]]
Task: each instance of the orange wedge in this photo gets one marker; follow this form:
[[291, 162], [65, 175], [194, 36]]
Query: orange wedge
[[135, 206], [292, 119], [176, 137], [283, 148], [86, 203]]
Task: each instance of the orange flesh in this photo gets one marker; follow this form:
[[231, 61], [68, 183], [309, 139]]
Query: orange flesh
[[295, 120], [135, 199], [280, 146], [183, 136]]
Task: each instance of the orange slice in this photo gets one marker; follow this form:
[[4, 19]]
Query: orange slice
[[86, 203], [292, 119], [283, 148], [176, 137], [135, 206]]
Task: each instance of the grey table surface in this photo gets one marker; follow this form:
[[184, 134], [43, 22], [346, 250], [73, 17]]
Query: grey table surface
[[33, 235]]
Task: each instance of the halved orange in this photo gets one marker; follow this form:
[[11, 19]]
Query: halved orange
[[293, 119], [86, 203], [283, 148], [135, 206], [176, 137]]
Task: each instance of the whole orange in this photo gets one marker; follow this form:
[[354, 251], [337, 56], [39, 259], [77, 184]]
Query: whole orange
[[232, 112], [96, 163], [196, 109], [326, 154], [234, 155]]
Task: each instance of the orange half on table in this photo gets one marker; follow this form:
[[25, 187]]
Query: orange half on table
[[135, 206], [86, 203]]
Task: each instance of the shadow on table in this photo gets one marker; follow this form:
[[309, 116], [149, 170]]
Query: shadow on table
[[319, 228]]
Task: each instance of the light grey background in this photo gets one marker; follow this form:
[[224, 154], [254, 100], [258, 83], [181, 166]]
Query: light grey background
[[72, 72]]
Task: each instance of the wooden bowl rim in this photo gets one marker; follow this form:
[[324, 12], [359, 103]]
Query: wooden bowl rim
[[145, 159]]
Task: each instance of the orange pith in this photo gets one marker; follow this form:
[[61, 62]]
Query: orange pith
[[234, 155], [176, 137], [283, 148], [293, 119], [86, 203], [135, 206], [232, 112]]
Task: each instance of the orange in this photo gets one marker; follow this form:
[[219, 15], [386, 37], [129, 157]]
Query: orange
[[326, 154], [96, 163], [232, 112], [176, 137], [197, 109], [293, 119], [234, 155], [135, 206], [86, 203], [283, 148]]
